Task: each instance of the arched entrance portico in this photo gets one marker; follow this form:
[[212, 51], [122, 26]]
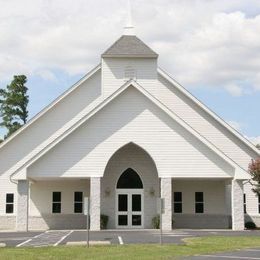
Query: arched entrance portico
[[129, 200], [130, 188]]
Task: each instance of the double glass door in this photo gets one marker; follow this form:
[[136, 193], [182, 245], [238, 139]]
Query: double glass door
[[129, 208]]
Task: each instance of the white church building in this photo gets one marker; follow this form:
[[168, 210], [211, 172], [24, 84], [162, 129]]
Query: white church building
[[125, 135]]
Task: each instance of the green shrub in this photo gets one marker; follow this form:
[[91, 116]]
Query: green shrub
[[103, 221], [156, 222], [250, 225]]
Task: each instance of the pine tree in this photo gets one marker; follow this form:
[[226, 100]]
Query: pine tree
[[13, 104]]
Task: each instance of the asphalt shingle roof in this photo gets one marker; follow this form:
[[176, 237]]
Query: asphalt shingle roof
[[129, 46]]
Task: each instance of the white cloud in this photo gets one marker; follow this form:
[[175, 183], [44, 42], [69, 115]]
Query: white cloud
[[255, 140], [234, 90], [236, 125], [201, 43]]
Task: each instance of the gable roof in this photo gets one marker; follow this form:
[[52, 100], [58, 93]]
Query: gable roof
[[129, 46], [208, 110], [51, 105], [240, 172]]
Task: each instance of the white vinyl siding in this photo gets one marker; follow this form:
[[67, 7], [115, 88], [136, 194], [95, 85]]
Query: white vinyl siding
[[114, 73], [214, 200], [130, 118], [41, 195]]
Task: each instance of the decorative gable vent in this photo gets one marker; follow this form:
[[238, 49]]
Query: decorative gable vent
[[130, 73]]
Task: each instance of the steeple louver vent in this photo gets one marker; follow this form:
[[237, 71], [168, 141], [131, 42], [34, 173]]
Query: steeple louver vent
[[130, 73]]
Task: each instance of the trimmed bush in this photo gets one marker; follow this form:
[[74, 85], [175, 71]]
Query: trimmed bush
[[250, 225], [156, 222], [103, 221]]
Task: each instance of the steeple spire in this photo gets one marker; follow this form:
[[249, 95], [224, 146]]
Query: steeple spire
[[129, 28]]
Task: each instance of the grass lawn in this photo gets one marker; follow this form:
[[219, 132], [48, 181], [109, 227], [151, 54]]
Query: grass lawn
[[202, 245]]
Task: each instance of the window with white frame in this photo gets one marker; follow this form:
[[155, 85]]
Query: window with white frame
[[199, 202], [244, 203], [56, 202], [9, 206], [177, 202], [78, 202], [259, 203]]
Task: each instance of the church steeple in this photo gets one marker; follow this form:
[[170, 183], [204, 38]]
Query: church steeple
[[128, 58], [129, 28]]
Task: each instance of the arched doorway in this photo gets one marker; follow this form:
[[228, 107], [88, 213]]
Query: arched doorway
[[121, 170], [129, 200]]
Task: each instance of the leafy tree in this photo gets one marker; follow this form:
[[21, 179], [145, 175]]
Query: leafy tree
[[258, 146], [254, 170], [13, 104]]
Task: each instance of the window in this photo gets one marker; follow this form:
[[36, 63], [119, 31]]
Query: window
[[9, 207], [199, 202], [244, 203], [259, 203], [129, 179], [56, 202], [78, 202], [177, 202]]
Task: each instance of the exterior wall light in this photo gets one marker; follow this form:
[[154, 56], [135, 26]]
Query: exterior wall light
[[152, 192], [107, 192]]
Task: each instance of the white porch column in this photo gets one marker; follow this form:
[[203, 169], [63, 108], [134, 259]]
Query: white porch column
[[95, 194], [166, 194], [22, 205], [237, 202], [228, 197]]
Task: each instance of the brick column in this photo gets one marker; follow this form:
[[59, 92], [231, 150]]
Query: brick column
[[228, 197], [166, 194], [22, 205], [237, 202], [95, 194]]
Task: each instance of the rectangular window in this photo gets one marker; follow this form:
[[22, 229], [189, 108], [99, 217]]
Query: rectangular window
[[9, 207], [56, 202], [199, 202], [259, 203], [177, 202], [78, 202], [244, 203]]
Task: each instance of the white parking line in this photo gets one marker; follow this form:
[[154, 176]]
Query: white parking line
[[175, 235], [121, 242], [29, 240], [63, 238], [231, 257]]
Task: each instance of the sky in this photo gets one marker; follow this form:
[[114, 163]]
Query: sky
[[211, 47]]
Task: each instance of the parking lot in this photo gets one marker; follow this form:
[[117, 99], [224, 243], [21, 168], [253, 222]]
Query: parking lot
[[63, 237]]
